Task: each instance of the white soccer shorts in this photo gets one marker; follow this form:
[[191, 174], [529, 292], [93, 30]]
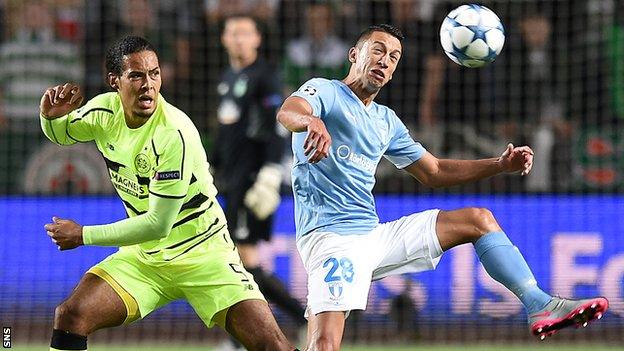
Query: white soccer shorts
[[341, 267]]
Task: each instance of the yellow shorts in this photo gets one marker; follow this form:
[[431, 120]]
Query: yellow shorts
[[210, 277]]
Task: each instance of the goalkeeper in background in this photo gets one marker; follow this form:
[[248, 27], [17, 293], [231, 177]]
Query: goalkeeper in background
[[249, 150], [174, 243]]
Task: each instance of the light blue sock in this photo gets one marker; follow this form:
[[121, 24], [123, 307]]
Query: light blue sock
[[504, 262]]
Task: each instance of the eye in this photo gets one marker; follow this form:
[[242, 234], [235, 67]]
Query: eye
[[377, 51]]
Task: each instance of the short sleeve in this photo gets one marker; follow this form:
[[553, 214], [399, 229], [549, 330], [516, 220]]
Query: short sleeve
[[173, 170], [403, 150], [319, 93]]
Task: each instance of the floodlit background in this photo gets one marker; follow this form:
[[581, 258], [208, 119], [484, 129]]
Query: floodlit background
[[557, 86]]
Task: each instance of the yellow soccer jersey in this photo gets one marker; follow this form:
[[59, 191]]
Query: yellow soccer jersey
[[159, 170]]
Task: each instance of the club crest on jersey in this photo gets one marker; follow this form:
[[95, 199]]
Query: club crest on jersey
[[142, 163], [335, 290]]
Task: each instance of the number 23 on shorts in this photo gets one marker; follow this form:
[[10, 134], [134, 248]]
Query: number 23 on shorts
[[344, 265]]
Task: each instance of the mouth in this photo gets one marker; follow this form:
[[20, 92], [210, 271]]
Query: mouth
[[377, 74], [146, 101]]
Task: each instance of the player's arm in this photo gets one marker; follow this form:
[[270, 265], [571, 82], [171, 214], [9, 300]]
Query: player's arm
[[296, 115], [167, 190], [59, 120], [437, 173], [156, 223]]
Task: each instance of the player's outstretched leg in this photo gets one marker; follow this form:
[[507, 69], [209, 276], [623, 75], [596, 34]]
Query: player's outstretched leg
[[504, 262], [252, 323], [92, 305]]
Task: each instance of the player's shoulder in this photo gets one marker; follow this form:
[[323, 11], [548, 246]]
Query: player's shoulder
[[174, 122], [319, 82], [315, 86]]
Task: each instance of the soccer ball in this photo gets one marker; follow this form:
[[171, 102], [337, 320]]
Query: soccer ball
[[472, 35]]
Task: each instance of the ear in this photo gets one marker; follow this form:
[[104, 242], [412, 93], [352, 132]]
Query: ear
[[352, 54], [113, 81]]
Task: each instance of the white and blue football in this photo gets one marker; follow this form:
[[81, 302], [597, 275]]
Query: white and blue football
[[472, 35]]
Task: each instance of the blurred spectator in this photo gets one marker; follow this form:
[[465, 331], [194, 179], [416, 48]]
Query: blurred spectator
[[32, 59], [218, 10], [318, 52]]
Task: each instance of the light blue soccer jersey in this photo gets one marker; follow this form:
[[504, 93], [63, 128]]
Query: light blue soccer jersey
[[335, 194]]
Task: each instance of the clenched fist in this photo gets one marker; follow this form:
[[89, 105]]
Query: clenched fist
[[65, 233]]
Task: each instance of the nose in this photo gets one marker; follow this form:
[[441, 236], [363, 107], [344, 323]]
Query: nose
[[147, 83], [383, 61]]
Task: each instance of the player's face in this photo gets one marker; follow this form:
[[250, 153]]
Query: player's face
[[241, 37], [139, 83], [376, 60]]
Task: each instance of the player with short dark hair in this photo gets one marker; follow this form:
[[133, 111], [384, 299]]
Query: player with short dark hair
[[339, 137], [249, 149], [174, 243]]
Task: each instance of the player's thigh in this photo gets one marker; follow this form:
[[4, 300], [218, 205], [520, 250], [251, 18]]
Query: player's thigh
[[339, 269], [410, 244], [252, 323], [212, 278], [93, 305], [463, 226], [142, 287]]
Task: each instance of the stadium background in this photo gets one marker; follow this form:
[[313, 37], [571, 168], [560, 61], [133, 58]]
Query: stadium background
[[557, 86]]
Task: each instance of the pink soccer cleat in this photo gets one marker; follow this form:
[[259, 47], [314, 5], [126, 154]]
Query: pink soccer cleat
[[560, 313]]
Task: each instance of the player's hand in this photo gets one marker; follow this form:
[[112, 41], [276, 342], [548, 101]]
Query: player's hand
[[317, 142], [263, 197], [517, 159], [60, 100], [65, 233]]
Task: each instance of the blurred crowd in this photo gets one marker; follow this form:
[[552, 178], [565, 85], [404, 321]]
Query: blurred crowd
[[558, 85]]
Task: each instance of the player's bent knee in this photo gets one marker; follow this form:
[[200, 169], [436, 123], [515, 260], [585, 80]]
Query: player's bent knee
[[483, 221], [68, 317]]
